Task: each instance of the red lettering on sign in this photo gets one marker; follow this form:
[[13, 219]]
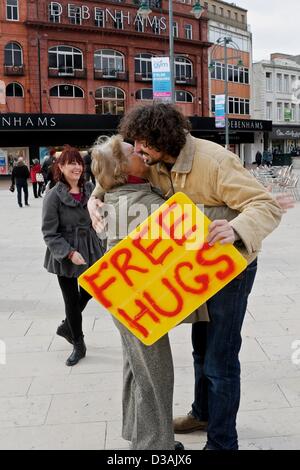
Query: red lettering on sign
[[170, 230], [203, 279], [148, 250], [124, 266], [159, 309], [134, 322], [223, 258], [98, 290]]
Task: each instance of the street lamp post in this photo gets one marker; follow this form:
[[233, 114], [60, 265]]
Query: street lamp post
[[144, 11], [225, 41], [171, 51], [40, 75]]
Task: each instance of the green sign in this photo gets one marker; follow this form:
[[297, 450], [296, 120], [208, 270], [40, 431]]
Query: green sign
[[287, 114]]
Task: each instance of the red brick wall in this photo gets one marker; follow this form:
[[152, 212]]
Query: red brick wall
[[88, 38]]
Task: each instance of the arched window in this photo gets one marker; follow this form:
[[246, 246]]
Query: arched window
[[109, 62], [110, 100], [66, 59], [143, 66], [144, 94], [183, 69], [66, 91], [15, 90], [13, 55], [182, 96]]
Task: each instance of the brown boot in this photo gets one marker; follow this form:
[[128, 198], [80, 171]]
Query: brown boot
[[188, 423]]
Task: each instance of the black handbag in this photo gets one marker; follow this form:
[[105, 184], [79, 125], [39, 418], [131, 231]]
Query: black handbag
[[12, 188]]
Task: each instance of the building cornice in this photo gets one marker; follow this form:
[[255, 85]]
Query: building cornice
[[110, 32]]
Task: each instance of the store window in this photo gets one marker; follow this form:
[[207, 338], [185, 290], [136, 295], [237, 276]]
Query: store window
[[279, 82], [234, 73], [188, 31], [286, 84], [182, 96], [243, 42], [75, 14], [109, 62], [66, 91], [143, 66], [269, 113], [110, 100], [12, 10], [14, 90], [9, 157], [279, 112], [119, 24], [139, 24], [54, 12], [213, 103], [144, 94], [13, 55], [183, 68], [238, 105], [269, 81], [175, 30], [99, 17], [65, 58]]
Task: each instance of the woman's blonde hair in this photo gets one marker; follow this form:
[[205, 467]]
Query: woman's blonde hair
[[109, 162]]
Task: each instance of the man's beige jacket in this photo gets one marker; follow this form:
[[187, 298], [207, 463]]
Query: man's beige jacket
[[214, 177]]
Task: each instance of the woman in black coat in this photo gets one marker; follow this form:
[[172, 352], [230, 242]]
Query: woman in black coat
[[72, 243]]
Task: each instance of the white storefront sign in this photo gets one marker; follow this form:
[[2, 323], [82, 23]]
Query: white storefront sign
[[105, 15]]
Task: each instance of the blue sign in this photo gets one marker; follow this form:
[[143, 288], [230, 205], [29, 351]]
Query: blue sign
[[161, 77], [220, 120]]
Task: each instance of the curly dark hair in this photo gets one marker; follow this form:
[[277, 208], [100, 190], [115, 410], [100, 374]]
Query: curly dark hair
[[161, 126]]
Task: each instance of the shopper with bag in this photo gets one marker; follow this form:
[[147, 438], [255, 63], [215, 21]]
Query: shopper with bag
[[37, 178]]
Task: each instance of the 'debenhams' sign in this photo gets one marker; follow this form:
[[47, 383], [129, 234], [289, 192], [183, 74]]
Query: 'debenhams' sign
[[102, 16]]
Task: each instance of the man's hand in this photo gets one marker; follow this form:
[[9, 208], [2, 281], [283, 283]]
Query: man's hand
[[286, 201], [77, 259], [220, 230], [94, 205]]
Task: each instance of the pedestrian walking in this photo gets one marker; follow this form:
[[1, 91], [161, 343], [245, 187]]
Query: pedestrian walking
[[88, 169], [258, 158], [267, 158], [48, 161], [19, 177], [37, 178], [72, 244], [212, 176]]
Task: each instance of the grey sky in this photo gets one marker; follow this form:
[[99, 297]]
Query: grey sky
[[274, 24]]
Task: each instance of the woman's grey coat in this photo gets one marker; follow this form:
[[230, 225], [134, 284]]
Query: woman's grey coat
[[66, 226]]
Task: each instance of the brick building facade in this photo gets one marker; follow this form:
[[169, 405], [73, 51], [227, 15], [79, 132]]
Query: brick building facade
[[95, 56]]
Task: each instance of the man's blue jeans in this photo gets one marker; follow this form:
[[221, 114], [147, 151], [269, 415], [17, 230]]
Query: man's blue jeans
[[216, 348]]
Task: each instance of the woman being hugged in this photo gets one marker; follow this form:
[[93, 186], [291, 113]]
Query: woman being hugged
[[72, 243], [148, 370]]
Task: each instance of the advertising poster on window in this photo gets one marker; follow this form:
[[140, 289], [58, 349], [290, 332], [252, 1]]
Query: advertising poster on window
[[287, 114], [220, 121], [43, 153], [161, 77], [3, 162]]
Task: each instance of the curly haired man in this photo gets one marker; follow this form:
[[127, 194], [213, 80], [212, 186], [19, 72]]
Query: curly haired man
[[245, 214]]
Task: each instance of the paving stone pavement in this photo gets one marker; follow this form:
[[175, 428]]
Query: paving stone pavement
[[46, 405]]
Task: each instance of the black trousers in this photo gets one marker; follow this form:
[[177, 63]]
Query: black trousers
[[37, 189], [22, 185], [76, 299]]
